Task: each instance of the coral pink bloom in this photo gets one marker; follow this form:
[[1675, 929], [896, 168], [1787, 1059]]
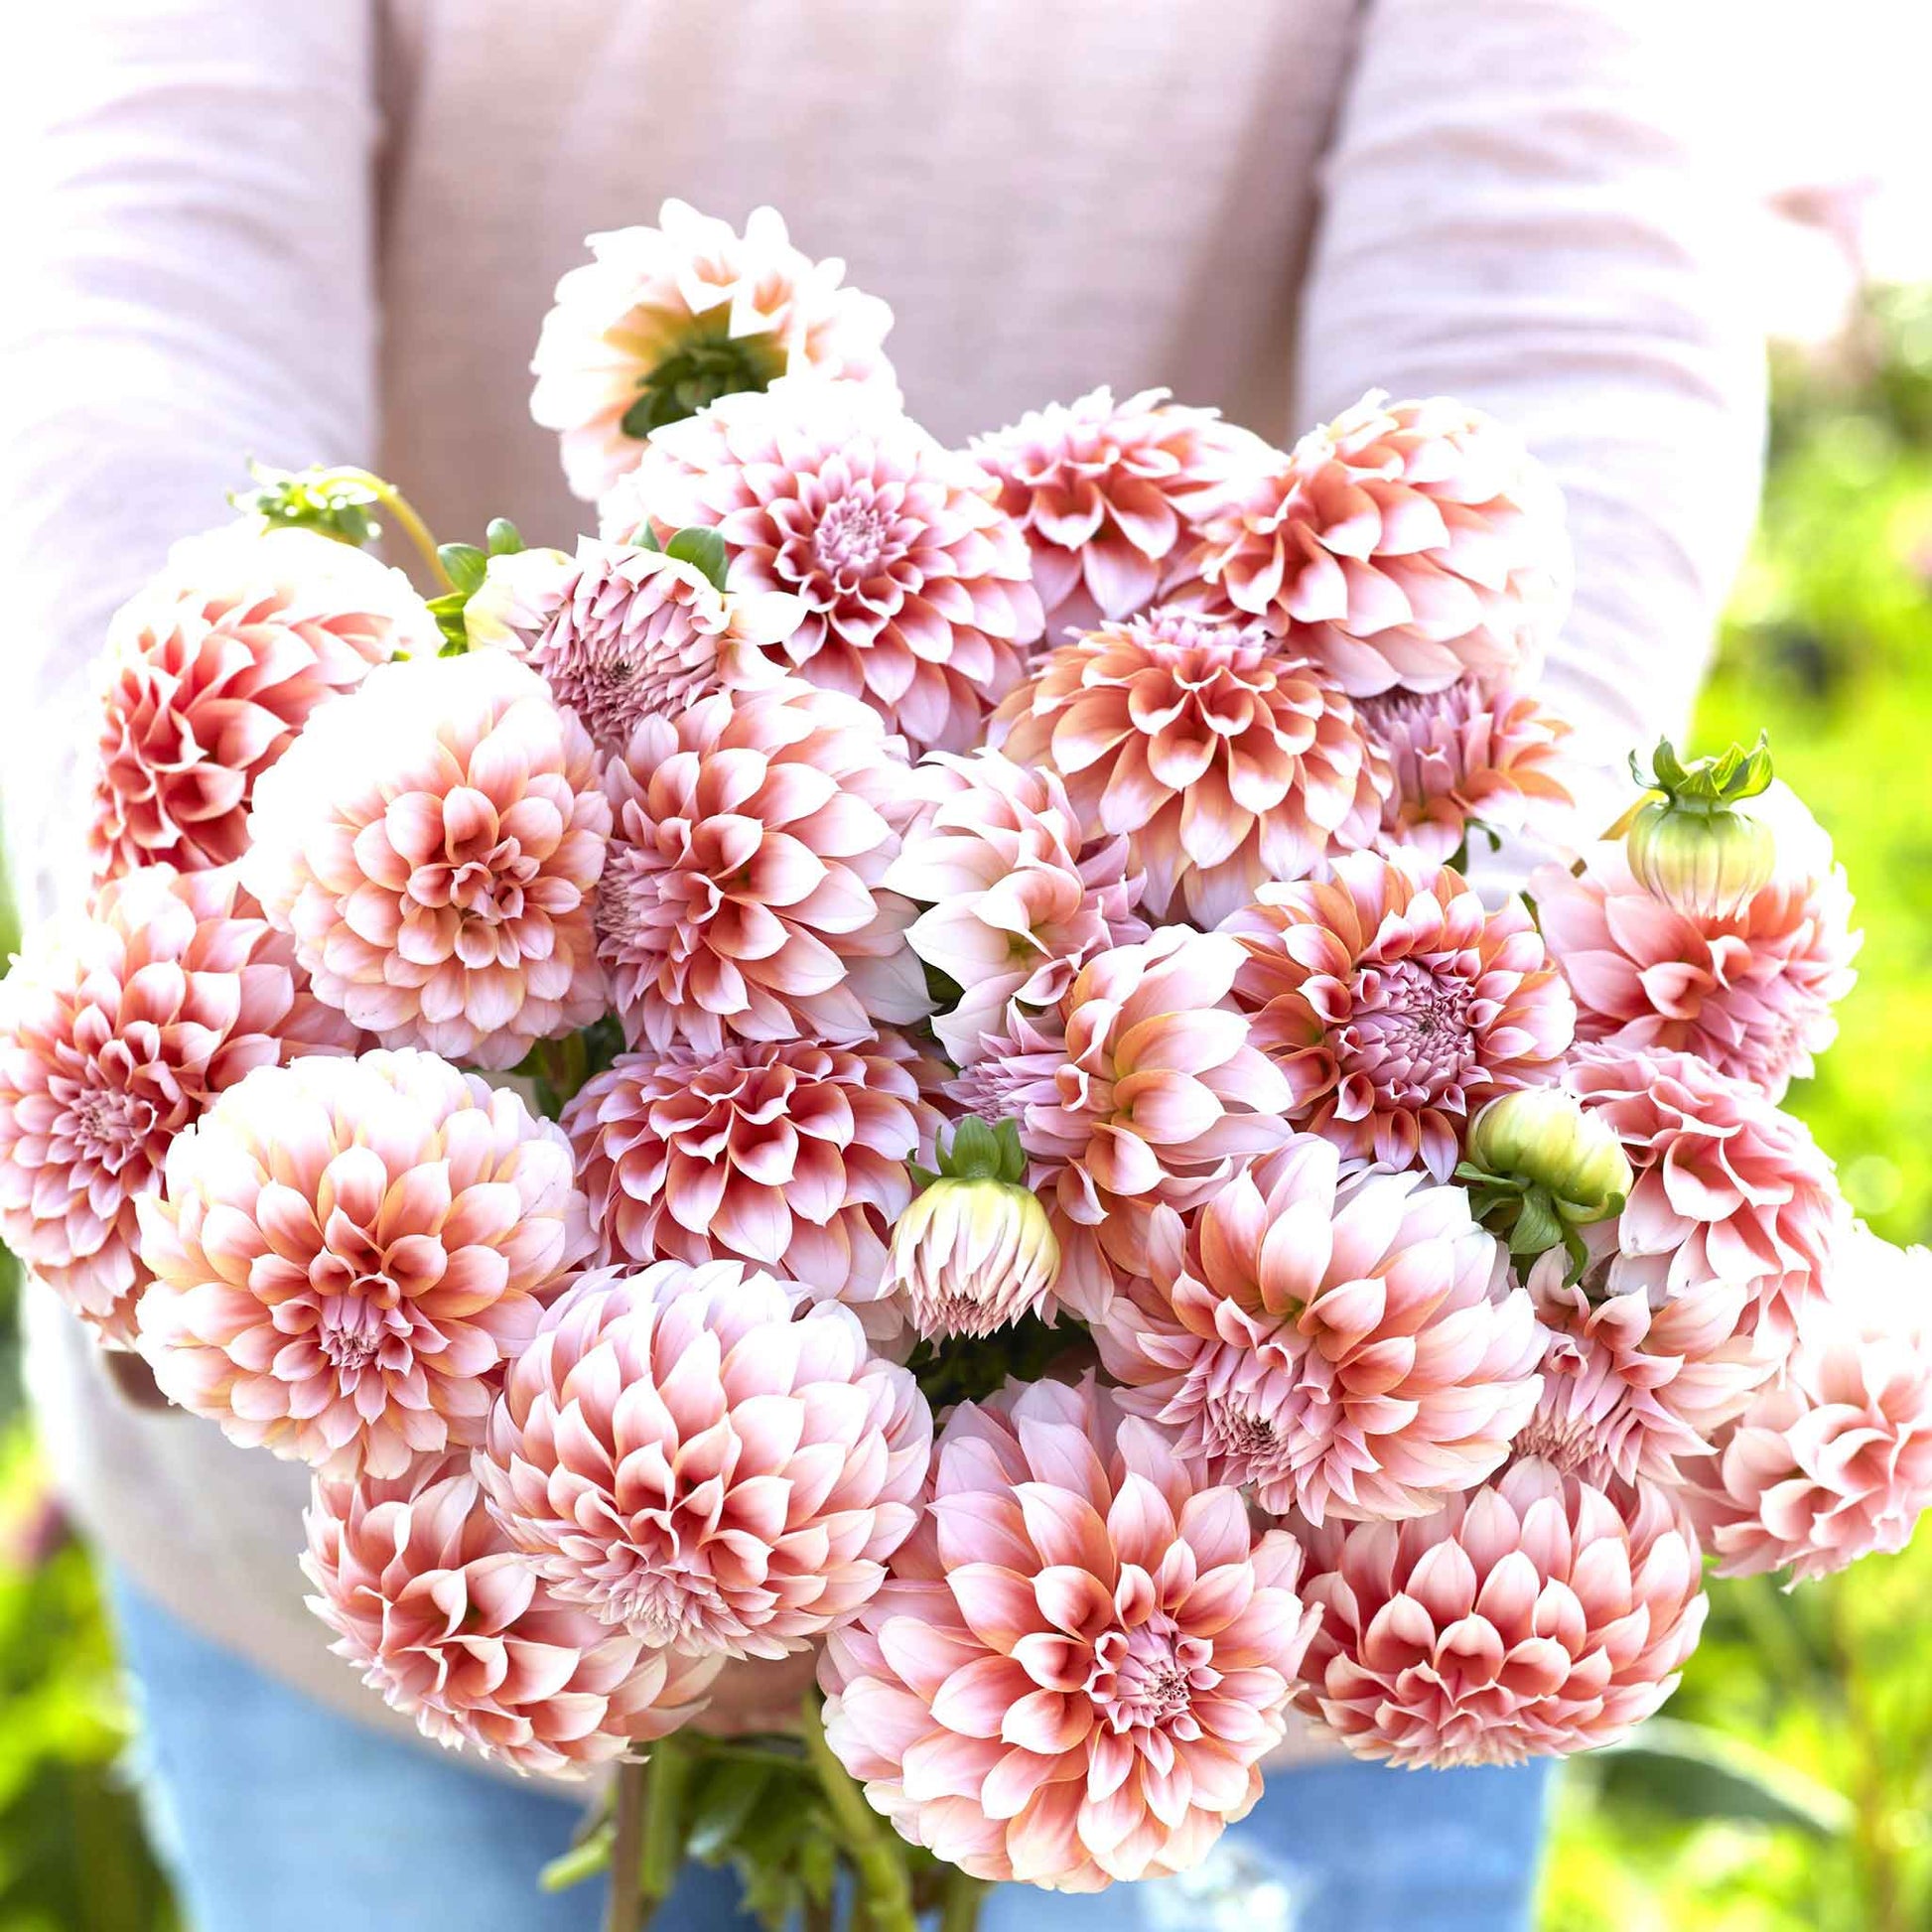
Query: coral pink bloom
[[1834, 1461], [680, 1453], [663, 320], [751, 835], [1344, 1348], [1751, 993], [1099, 487], [347, 1252], [918, 587], [1409, 543], [116, 1030], [1468, 754], [1142, 1089], [213, 669], [449, 1625], [789, 1156], [1540, 1615], [434, 843], [1226, 754], [1080, 1659], [1396, 1004], [1016, 901]]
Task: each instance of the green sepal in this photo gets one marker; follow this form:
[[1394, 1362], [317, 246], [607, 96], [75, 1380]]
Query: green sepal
[[704, 550], [981, 1151], [503, 537], [310, 499], [448, 610], [1706, 784], [463, 564]]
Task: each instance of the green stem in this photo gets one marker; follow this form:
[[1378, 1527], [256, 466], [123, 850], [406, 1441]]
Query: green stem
[[961, 1911], [882, 1872], [403, 510], [663, 1843], [626, 1911]]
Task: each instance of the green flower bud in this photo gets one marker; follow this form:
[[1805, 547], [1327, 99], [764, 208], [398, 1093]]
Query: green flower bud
[[1691, 847], [1538, 1168]]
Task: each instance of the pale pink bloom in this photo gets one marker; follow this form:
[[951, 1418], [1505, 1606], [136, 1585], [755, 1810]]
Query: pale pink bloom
[[1396, 1004], [1015, 900], [1538, 1615], [682, 1455], [1141, 1089], [1342, 1348], [211, 670], [742, 897], [434, 843], [346, 1253], [1409, 543], [1466, 752], [451, 1626], [789, 1156], [704, 310], [116, 1030], [1752, 994], [1226, 754], [1834, 1461], [636, 634], [1081, 1658], [917, 586], [1107, 490]]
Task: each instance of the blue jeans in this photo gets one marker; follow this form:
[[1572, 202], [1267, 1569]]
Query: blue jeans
[[271, 1811]]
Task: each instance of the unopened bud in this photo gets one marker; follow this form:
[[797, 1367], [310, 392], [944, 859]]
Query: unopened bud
[[972, 1256], [1539, 1167], [1691, 847]]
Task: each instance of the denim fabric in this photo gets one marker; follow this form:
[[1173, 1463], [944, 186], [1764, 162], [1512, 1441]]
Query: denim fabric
[[272, 1811]]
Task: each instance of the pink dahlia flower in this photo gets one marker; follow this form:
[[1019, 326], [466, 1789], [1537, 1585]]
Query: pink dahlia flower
[[451, 1626], [752, 833], [213, 669], [1015, 900], [1104, 491], [1538, 1615], [1751, 993], [789, 1156], [1409, 543], [347, 1252], [1080, 1659], [681, 1454], [1834, 1461], [434, 843], [1466, 754], [1396, 1005], [661, 321], [917, 588], [1226, 755], [117, 1031], [1344, 1348], [1140, 1090]]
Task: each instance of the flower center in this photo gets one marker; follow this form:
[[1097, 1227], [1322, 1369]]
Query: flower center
[[1234, 1427], [355, 1325], [1410, 1031], [853, 540], [1147, 1678], [109, 1125]]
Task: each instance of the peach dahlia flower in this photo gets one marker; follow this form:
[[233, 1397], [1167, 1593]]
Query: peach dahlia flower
[[1226, 755], [681, 1454], [347, 1252], [1080, 1659], [451, 1626]]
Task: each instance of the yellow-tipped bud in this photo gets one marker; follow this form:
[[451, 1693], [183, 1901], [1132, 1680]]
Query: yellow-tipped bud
[[972, 1255]]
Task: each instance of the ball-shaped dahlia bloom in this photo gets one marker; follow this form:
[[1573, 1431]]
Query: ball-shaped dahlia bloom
[[1751, 993], [1015, 900], [213, 669], [1226, 755], [1396, 1004], [117, 1031], [451, 1626], [1465, 754], [1342, 1348], [1541, 1615], [753, 834], [1410, 543], [682, 1455], [662, 321], [434, 843], [1080, 1659], [1106, 491], [347, 1252], [917, 587], [787, 1154], [1834, 1461]]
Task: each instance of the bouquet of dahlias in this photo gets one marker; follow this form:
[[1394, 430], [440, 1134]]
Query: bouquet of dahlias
[[894, 1060]]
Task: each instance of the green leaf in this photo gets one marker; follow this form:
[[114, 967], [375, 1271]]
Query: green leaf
[[1696, 1775], [705, 550], [503, 538], [723, 1800], [466, 565]]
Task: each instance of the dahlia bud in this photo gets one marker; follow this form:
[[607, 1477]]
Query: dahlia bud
[[1539, 1167], [518, 594], [974, 1251], [1691, 847]]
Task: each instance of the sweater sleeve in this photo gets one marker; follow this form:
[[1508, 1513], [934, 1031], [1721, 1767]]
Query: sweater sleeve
[[1522, 208], [190, 236]]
